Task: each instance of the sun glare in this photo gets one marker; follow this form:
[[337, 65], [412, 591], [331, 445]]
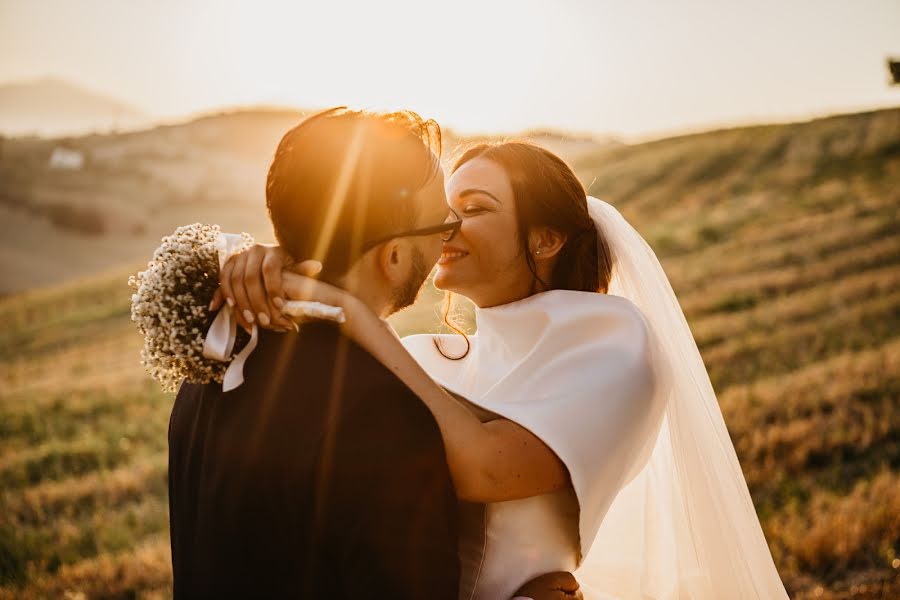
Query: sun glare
[[475, 66]]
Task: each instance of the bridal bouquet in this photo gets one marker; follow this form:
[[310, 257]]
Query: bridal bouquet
[[183, 339], [170, 305]]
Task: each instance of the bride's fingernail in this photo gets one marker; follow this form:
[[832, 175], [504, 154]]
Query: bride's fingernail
[[230, 302], [264, 319], [248, 316], [278, 302], [211, 303]]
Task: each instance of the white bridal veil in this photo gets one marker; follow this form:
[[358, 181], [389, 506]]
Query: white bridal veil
[[685, 527]]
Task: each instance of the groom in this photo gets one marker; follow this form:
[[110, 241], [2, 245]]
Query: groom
[[322, 475]]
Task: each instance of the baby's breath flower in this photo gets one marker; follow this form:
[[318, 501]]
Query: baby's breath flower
[[170, 305]]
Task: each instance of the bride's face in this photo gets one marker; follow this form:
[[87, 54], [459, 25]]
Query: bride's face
[[484, 261]]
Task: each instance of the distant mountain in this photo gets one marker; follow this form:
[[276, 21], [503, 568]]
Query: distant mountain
[[53, 107]]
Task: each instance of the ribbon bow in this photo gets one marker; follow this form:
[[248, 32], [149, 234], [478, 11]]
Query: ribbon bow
[[220, 338]]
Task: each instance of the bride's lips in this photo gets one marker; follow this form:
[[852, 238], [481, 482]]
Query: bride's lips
[[450, 254]]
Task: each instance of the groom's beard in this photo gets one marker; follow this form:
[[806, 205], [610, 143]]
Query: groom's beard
[[406, 294]]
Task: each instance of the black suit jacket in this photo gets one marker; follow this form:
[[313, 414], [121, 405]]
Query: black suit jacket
[[321, 476]]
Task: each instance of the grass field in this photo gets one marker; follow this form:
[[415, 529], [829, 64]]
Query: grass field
[[783, 244]]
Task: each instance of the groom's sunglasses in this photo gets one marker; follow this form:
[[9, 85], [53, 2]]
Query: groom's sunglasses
[[447, 229]]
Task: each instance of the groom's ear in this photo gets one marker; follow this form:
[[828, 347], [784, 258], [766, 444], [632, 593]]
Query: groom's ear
[[389, 261]]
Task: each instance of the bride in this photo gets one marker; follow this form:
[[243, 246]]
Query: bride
[[581, 428]]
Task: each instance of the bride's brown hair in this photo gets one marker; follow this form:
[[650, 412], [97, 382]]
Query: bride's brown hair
[[548, 194]]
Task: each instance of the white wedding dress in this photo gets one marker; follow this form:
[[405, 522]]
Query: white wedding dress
[[614, 384], [573, 368]]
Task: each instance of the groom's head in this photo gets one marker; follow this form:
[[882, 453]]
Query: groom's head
[[347, 187]]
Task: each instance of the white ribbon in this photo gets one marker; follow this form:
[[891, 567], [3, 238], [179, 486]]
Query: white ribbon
[[304, 309], [220, 338]]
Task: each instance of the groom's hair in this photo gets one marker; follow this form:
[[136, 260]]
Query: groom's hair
[[343, 177]]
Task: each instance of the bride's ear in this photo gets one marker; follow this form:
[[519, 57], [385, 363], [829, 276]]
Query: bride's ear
[[545, 242]]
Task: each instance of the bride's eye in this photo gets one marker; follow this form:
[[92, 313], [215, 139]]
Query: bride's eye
[[472, 210]]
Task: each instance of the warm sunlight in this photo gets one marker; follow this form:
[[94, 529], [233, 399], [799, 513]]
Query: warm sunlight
[[631, 69], [590, 299]]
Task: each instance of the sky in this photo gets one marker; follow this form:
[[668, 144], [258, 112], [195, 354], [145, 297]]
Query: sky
[[633, 69]]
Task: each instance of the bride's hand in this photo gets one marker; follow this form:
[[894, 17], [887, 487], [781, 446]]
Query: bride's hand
[[551, 586], [251, 282]]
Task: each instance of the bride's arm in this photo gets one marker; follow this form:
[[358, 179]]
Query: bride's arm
[[489, 462]]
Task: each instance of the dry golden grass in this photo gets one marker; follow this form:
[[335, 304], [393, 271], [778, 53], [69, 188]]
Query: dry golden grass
[[782, 243], [145, 572], [870, 513], [805, 304], [750, 287], [795, 425]]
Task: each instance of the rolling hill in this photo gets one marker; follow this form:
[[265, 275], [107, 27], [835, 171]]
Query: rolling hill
[[59, 224], [54, 107], [781, 242]]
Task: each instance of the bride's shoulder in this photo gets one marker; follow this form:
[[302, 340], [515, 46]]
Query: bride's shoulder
[[590, 306], [627, 309], [599, 324]]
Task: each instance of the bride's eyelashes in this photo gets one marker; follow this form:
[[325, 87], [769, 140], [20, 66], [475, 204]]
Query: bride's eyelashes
[[473, 210]]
